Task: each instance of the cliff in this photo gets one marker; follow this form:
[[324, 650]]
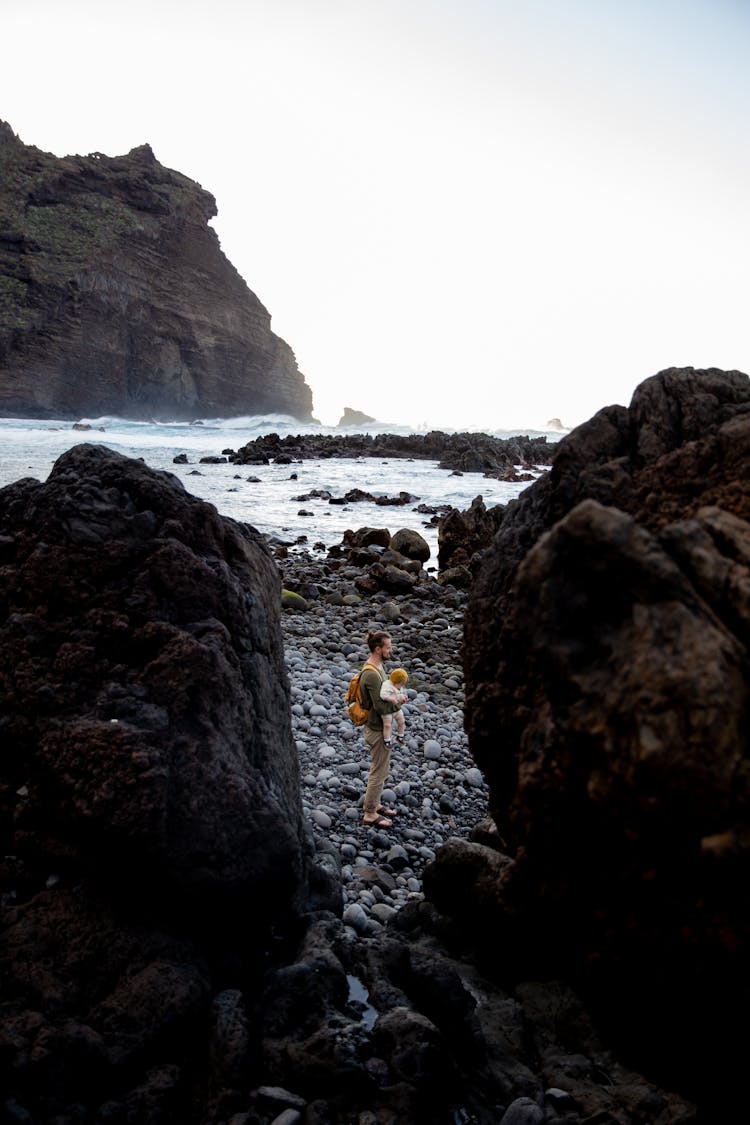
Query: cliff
[[115, 297]]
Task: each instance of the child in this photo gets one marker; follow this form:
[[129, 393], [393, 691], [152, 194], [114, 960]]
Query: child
[[392, 691]]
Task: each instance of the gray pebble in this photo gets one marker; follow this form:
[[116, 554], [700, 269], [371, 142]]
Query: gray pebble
[[355, 916], [382, 913], [288, 1117], [523, 1111]]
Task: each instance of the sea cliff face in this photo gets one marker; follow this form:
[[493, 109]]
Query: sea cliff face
[[115, 297]]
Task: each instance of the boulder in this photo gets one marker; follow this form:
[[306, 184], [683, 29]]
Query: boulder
[[391, 578], [459, 576], [145, 706], [411, 543], [368, 537], [149, 792], [607, 697], [403, 562]]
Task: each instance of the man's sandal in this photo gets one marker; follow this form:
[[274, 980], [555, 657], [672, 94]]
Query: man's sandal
[[378, 822], [386, 812]]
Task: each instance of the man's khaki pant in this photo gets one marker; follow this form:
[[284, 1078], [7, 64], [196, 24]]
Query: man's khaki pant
[[380, 761]]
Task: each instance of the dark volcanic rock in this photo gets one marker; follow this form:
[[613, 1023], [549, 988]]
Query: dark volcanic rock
[[115, 297], [607, 675], [462, 534], [470, 452], [410, 543], [149, 793], [142, 666]]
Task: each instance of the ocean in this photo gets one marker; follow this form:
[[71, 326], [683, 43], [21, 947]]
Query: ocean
[[271, 503]]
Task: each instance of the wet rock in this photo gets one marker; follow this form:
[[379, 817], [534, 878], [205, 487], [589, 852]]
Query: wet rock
[[468, 452], [410, 543], [367, 537]]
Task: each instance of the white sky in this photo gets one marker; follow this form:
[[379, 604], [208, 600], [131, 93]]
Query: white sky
[[460, 213]]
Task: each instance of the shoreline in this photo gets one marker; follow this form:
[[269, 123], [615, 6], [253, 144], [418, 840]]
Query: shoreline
[[433, 784]]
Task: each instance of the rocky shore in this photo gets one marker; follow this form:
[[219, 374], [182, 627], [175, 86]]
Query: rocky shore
[[434, 786], [462, 452], [195, 924]]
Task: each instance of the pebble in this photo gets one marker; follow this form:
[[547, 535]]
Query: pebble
[[434, 785], [355, 916], [523, 1111]]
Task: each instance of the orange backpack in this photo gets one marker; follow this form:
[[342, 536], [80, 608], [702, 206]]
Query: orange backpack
[[357, 711]]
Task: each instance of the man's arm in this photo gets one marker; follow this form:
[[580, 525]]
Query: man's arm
[[371, 683]]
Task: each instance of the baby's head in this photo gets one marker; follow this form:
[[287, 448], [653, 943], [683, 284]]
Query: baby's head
[[398, 677]]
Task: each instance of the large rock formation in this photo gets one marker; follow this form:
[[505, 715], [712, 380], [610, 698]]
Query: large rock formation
[[144, 700], [607, 667], [115, 297]]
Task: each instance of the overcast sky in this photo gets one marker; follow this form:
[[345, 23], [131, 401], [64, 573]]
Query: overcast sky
[[481, 213]]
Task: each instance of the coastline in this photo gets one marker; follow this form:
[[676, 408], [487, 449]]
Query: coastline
[[145, 638], [287, 499]]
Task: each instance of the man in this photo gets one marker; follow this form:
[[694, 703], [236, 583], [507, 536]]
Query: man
[[375, 814]]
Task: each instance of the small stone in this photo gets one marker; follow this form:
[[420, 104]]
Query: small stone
[[523, 1111], [560, 1099], [281, 1097], [382, 913], [288, 1117], [397, 858], [355, 916]]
